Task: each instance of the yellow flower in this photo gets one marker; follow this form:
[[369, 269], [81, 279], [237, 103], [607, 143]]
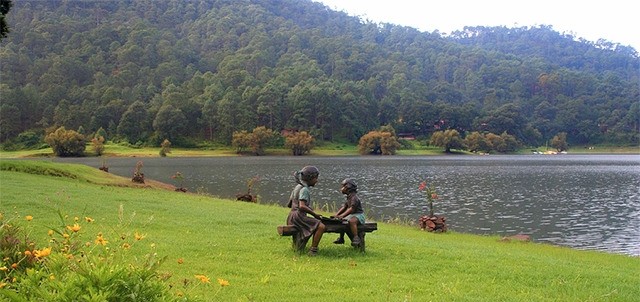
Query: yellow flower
[[76, 219], [28, 217], [52, 277], [180, 261], [223, 282], [3, 269], [75, 228], [2, 284], [42, 253], [101, 240], [88, 219], [27, 253], [65, 235], [50, 233], [138, 237], [203, 278], [126, 246]]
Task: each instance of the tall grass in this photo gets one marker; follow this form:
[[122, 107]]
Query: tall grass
[[237, 243]]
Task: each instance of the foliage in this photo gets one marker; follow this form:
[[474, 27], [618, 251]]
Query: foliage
[[71, 267], [5, 6], [97, 143], [179, 179], [257, 140], [299, 142], [138, 176], [448, 139], [429, 193], [299, 65], [490, 142], [378, 142], [66, 142], [559, 142], [165, 148]]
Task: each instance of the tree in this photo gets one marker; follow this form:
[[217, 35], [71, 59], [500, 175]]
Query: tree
[[169, 122], [300, 142], [133, 123], [241, 140], [261, 138], [476, 142], [66, 142], [449, 139], [378, 142], [559, 142], [97, 143]]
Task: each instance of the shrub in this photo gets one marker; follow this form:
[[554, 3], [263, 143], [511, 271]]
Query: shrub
[[378, 142], [165, 148], [300, 143], [66, 142]]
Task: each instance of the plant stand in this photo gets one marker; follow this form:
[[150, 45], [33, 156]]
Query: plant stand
[[433, 223]]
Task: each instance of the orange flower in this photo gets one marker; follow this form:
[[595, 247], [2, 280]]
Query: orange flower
[[434, 196], [14, 265], [180, 261], [75, 228], [27, 253], [42, 253], [101, 240], [223, 282], [28, 217], [203, 278], [138, 237]]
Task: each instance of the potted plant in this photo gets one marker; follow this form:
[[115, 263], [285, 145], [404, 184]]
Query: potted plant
[[431, 222]]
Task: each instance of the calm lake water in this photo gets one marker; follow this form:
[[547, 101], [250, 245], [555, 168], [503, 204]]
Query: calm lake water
[[581, 201]]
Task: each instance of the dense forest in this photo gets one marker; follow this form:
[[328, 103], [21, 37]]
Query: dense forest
[[194, 72]]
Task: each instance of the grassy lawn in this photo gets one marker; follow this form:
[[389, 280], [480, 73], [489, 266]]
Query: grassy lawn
[[237, 243]]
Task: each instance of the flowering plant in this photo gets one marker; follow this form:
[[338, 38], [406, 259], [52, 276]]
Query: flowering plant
[[430, 193], [179, 180]]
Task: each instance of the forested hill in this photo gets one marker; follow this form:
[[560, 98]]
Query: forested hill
[[196, 71]]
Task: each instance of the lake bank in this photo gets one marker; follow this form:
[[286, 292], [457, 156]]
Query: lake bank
[[237, 242]]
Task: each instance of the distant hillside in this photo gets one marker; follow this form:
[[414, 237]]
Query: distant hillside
[[197, 71]]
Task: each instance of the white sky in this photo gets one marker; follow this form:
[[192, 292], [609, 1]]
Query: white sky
[[613, 20]]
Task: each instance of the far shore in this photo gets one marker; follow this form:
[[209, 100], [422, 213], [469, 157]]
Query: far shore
[[114, 150]]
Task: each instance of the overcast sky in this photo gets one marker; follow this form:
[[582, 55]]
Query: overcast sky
[[612, 20]]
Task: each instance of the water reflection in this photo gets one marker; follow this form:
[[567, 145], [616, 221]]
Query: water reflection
[[582, 201]]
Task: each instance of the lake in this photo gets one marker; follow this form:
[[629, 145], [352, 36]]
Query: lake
[[589, 202]]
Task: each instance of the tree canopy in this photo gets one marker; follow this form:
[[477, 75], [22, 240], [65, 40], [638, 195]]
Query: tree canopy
[[202, 70]]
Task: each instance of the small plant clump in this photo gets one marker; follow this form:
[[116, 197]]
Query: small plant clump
[[248, 196], [138, 176], [179, 178]]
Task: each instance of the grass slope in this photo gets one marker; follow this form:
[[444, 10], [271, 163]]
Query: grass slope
[[238, 242]]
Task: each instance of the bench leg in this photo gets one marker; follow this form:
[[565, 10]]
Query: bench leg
[[361, 246], [299, 243]]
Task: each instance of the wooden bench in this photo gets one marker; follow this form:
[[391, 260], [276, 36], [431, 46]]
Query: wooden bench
[[332, 226]]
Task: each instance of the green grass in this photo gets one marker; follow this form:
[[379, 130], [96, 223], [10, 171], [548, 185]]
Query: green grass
[[237, 242]]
